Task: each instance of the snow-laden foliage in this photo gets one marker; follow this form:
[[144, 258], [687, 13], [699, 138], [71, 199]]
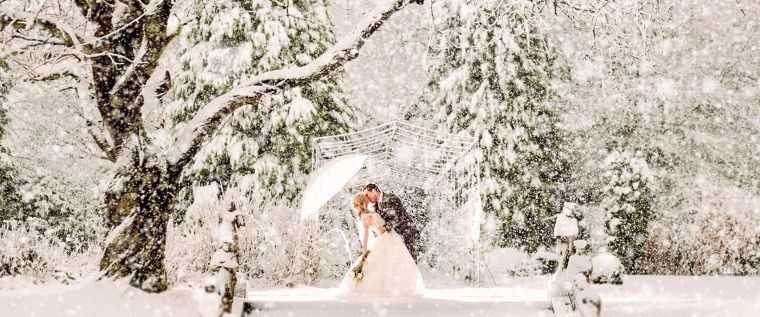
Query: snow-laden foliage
[[41, 224], [627, 204], [717, 234], [32, 247], [10, 198], [496, 80], [276, 247], [445, 221], [607, 268], [266, 148], [652, 77]]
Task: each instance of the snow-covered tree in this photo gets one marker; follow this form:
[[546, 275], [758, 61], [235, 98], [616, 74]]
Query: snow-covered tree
[[40, 196], [112, 51], [9, 195], [648, 75], [496, 80], [269, 147], [627, 204], [10, 198]]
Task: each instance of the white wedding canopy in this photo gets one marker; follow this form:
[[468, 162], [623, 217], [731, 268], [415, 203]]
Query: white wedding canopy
[[397, 152]]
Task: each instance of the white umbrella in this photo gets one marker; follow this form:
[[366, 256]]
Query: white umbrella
[[328, 180]]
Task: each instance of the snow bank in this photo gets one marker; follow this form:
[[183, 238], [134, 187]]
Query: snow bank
[[704, 296], [20, 298], [507, 262]]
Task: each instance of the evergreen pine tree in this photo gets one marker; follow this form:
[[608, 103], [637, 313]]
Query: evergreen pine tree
[[495, 80], [628, 203], [10, 198], [266, 150]]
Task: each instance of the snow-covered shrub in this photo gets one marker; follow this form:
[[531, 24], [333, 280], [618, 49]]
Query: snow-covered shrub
[[190, 240], [19, 255], [449, 249], [276, 246], [44, 229], [30, 248], [606, 268], [569, 291], [718, 232], [628, 205], [508, 262], [511, 262], [545, 262]]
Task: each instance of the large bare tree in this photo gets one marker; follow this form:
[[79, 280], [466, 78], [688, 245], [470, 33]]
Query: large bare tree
[[118, 44]]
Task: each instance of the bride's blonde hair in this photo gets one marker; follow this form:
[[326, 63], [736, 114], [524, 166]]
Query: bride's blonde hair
[[360, 202]]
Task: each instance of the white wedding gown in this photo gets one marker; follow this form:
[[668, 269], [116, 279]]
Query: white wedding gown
[[389, 270]]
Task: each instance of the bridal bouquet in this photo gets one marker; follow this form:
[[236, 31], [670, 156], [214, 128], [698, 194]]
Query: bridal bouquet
[[357, 270]]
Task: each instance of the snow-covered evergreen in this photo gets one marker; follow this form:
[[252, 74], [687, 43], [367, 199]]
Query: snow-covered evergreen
[[266, 149], [10, 199], [495, 79], [628, 205]]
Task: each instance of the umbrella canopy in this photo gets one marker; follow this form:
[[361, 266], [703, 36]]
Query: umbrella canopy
[[328, 180]]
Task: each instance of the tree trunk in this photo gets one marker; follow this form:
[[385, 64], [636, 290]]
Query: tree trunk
[[139, 202]]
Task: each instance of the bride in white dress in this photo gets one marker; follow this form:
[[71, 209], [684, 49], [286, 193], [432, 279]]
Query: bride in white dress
[[389, 269]]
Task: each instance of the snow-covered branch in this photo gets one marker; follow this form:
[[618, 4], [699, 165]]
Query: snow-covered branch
[[25, 20], [201, 128], [101, 141]]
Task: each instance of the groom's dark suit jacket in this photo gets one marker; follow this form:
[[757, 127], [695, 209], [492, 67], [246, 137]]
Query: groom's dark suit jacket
[[397, 219]]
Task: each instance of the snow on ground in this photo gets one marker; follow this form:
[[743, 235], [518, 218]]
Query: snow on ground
[[703, 296], [21, 298], [649, 296], [500, 301]]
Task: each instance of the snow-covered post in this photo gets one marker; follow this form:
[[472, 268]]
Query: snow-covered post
[[561, 289], [570, 291], [226, 259], [565, 230], [584, 301]]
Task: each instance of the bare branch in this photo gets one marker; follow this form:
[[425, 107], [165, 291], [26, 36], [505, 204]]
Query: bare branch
[[208, 119]]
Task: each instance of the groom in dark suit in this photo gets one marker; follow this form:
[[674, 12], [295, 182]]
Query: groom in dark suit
[[396, 218]]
